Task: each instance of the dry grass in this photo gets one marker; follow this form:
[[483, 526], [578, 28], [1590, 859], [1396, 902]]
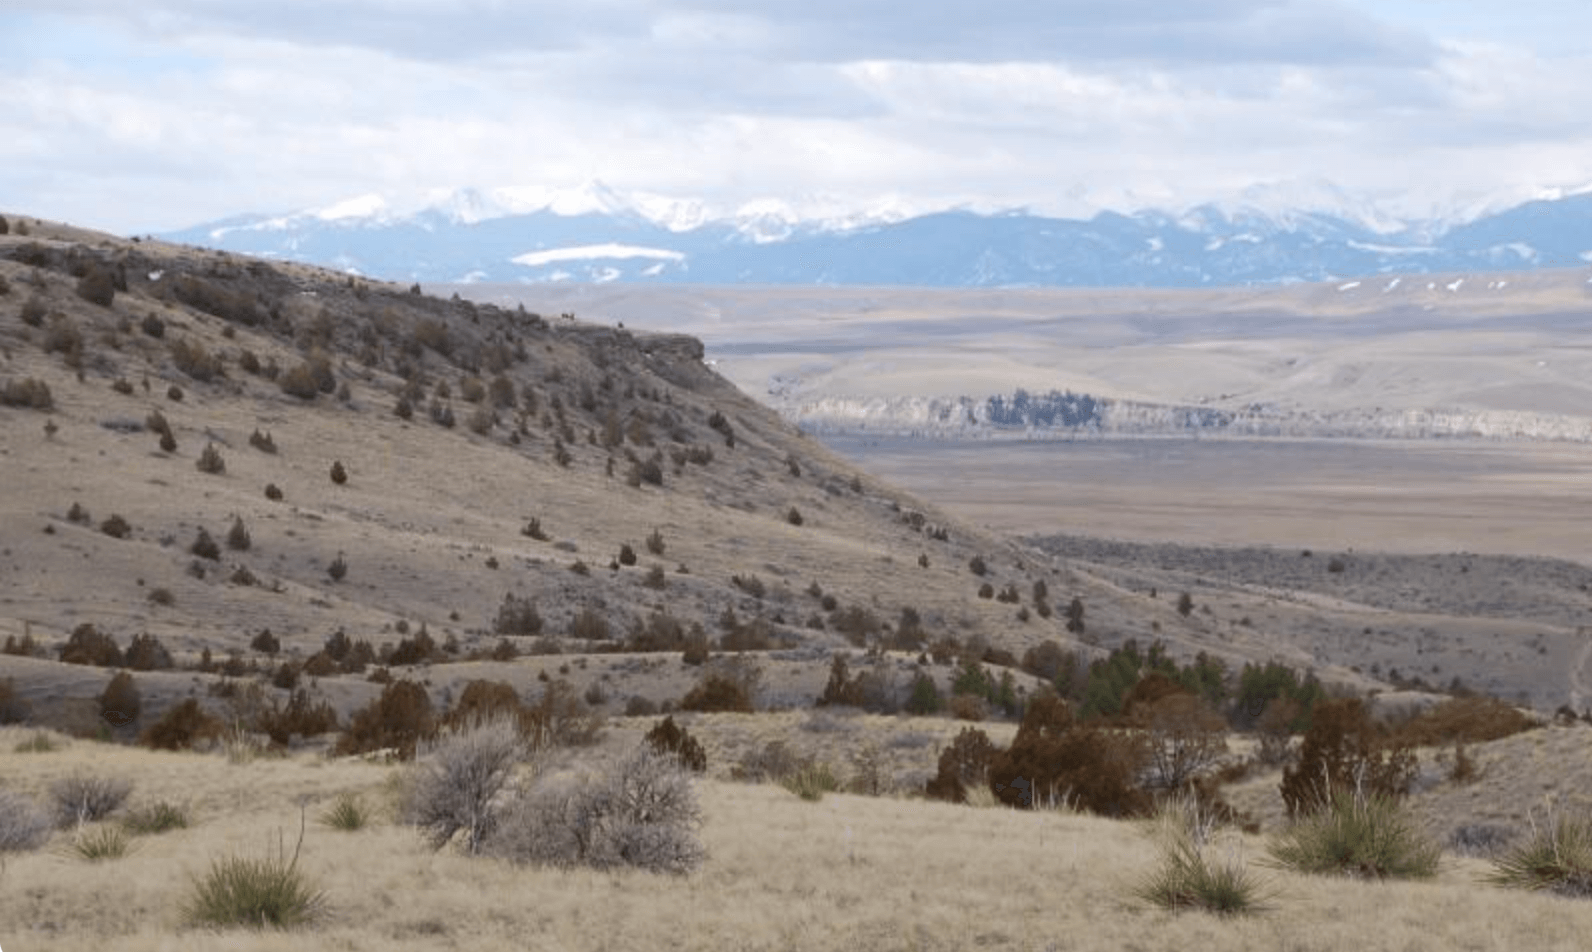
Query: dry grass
[[847, 872]]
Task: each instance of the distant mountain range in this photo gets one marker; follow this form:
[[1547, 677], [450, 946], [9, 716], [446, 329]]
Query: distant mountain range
[[595, 234]]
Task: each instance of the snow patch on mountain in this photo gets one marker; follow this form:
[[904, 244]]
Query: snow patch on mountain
[[536, 259]]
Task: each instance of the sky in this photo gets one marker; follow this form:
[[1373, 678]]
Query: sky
[[160, 114]]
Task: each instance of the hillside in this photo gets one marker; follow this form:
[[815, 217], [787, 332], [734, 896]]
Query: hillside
[[431, 523]]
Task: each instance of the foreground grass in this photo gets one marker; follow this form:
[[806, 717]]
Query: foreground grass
[[847, 872]]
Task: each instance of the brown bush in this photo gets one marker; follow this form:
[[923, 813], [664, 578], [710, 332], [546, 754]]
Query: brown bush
[[146, 653], [181, 728], [1344, 750], [97, 286], [518, 616], [339, 473], [1185, 736], [28, 393], [299, 716], [1470, 720], [1051, 755], [560, 717], [716, 692], [399, 719], [211, 461], [14, 708], [964, 763], [205, 547], [669, 738], [121, 695], [191, 358], [88, 646], [216, 299]]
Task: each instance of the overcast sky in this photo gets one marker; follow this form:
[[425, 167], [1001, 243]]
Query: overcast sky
[[156, 114]]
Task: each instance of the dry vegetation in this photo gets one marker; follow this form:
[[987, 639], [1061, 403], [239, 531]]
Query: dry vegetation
[[623, 624]]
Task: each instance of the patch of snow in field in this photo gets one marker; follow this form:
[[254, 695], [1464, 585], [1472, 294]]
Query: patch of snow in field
[[1457, 285], [1391, 285]]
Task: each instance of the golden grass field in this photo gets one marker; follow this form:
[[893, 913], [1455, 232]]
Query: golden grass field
[[848, 872]]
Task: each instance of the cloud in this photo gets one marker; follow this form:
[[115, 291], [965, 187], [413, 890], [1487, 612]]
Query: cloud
[[159, 114]]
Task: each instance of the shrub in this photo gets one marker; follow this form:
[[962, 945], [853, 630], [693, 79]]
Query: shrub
[[400, 718], [1556, 858], [153, 326], [811, 781], [642, 812], [87, 645], [655, 543], [24, 825], [715, 692], [191, 358], [28, 393], [97, 286], [121, 695], [338, 568], [1357, 833], [146, 653], [1189, 877], [39, 743], [205, 547], [1466, 720], [301, 716], [100, 843], [310, 378], [347, 813], [210, 461], [964, 763], [34, 310], [1185, 604], [627, 555], [923, 698], [518, 616], [81, 798], [14, 708], [262, 441], [238, 538], [1343, 749], [1185, 737], [273, 492], [588, 625], [463, 771], [181, 728], [338, 473], [1095, 767], [254, 893], [159, 817], [977, 565], [216, 299], [668, 738], [793, 516]]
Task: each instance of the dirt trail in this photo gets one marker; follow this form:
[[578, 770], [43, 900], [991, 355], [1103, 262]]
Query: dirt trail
[[1579, 688]]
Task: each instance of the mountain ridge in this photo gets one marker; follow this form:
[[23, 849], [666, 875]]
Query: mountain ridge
[[539, 235]]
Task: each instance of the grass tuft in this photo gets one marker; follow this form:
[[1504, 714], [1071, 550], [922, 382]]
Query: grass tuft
[[811, 781], [1190, 877], [1358, 833], [255, 894], [96, 843], [348, 814], [159, 817], [1556, 858]]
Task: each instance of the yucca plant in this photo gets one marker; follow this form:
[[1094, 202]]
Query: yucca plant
[[96, 843], [811, 781], [1556, 857], [348, 813], [1357, 833], [155, 818], [255, 893], [1190, 876]]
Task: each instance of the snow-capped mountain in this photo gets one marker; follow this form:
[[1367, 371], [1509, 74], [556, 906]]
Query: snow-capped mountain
[[1264, 235]]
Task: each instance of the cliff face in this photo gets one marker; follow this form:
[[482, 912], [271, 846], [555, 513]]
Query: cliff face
[[967, 418]]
